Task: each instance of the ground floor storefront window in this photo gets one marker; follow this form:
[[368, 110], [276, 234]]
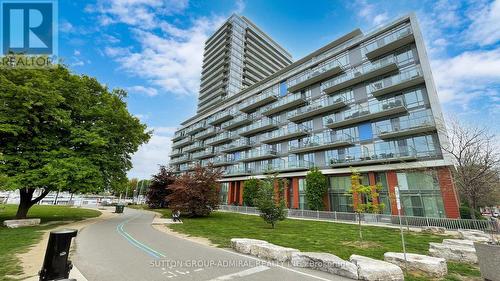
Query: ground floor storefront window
[[224, 187], [420, 194]]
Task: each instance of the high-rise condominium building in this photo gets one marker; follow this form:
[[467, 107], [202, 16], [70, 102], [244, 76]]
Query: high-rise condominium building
[[237, 56], [365, 101]]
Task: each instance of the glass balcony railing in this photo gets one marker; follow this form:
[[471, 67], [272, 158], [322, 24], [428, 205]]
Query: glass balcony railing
[[239, 144], [178, 135], [284, 165], [360, 73], [237, 170], [406, 127], [238, 121], [320, 142], [367, 111], [258, 154], [322, 71], [361, 157], [222, 160], [221, 116], [220, 138], [258, 126], [405, 79], [208, 152], [210, 131], [317, 107], [288, 132], [370, 49], [267, 96], [196, 128], [181, 159], [176, 152], [285, 102], [195, 146], [185, 141]]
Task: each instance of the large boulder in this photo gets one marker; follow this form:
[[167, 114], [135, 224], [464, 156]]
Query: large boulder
[[431, 266], [376, 270], [474, 235], [21, 223], [325, 262], [453, 252], [242, 245], [459, 242], [434, 230], [270, 251]]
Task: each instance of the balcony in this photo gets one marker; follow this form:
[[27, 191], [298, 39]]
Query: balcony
[[259, 126], [314, 75], [287, 166], [403, 80], [389, 42], [183, 142], [316, 108], [239, 170], [193, 129], [284, 103], [179, 160], [208, 152], [220, 117], [422, 125], [219, 139], [258, 154], [267, 96], [176, 152], [223, 160], [361, 113], [178, 136], [194, 147], [237, 145], [361, 73], [286, 133], [240, 120], [377, 157], [210, 132], [321, 142]]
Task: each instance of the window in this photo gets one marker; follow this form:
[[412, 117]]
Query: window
[[283, 88], [365, 132], [302, 194], [224, 187]]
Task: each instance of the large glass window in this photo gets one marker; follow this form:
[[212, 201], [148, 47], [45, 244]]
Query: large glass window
[[365, 132], [420, 194], [302, 194], [224, 187], [340, 199], [283, 88]]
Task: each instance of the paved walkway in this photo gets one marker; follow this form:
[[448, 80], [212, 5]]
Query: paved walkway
[[127, 247]]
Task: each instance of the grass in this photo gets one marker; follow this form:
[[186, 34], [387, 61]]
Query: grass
[[18, 240], [313, 236]]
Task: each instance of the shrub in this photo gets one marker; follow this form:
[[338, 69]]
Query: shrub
[[156, 197], [316, 188], [196, 193], [250, 191]]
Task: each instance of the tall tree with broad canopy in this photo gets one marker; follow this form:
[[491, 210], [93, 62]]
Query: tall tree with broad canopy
[[61, 131], [156, 197], [316, 188], [196, 193]]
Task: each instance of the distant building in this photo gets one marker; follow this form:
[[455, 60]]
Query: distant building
[[364, 100]]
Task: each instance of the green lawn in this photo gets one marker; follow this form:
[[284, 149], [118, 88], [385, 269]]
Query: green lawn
[[18, 240], [337, 238]]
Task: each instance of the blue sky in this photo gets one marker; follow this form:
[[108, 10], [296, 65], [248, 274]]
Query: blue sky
[[153, 49]]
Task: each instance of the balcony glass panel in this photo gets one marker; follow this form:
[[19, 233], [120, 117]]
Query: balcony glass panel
[[285, 100], [319, 140], [220, 137], [316, 105], [401, 125], [258, 124], [283, 165], [364, 154], [320, 69], [401, 77], [241, 142], [291, 129], [387, 38], [239, 169], [235, 122], [258, 152], [270, 92]]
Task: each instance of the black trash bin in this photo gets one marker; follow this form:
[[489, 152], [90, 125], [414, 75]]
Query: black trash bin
[[119, 208], [56, 265]]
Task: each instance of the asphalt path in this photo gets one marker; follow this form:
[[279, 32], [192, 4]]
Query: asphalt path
[[127, 247]]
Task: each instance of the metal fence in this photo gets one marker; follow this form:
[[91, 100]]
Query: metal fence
[[407, 221]]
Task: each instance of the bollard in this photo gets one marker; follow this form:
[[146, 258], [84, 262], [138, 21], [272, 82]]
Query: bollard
[[56, 265]]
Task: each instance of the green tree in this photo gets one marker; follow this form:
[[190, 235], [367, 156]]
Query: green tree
[[365, 198], [271, 202], [61, 131], [316, 188], [250, 191]]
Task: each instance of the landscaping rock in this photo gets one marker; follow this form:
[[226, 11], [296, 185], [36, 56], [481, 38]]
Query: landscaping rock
[[453, 252], [242, 245], [270, 251], [431, 266], [21, 223], [474, 235], [434, 230], [325, 262], [459, 242], [376, 270]]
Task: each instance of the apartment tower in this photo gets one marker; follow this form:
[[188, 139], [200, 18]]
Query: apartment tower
[[365, 101]]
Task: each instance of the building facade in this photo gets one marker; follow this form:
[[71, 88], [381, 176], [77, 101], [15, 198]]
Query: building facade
[[364, 101], [236, 56]]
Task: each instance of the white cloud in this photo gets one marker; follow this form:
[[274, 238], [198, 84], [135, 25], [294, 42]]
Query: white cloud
[[485, 27], [468, 76], [370, 13], [148, 91], [153, 154]]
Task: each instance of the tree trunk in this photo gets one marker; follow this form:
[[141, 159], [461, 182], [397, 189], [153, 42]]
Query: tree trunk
[[472, 209], [26, 202]]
